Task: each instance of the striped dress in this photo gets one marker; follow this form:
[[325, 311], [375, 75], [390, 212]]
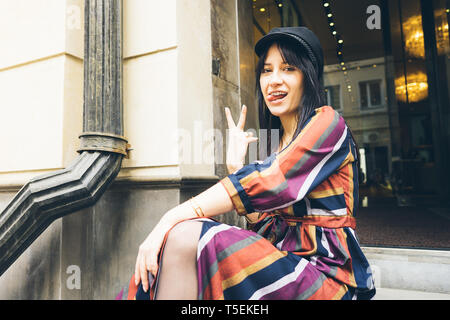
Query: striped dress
[[303, 245]]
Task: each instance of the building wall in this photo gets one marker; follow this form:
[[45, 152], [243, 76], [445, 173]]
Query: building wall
[[172, 104], [370, 127], [41, 86], [233, 81], [41, 81]]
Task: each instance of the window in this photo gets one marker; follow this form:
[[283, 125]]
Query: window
[[370, 94], [333, 94]]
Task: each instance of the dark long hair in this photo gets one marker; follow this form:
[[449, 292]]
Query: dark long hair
[[313, 94], [312, 98]]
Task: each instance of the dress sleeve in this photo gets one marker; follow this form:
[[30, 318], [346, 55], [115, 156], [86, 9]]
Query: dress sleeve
[[285, 178]]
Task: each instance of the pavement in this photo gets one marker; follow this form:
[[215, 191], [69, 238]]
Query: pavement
[[403, 227], [397, 294]]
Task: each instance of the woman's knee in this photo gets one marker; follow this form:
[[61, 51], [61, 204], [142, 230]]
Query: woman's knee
[[184, 236]]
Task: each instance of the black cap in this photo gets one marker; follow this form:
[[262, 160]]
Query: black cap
[[302, 35]]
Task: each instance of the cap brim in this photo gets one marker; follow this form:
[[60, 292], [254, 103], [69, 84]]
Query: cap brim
[[268, 38]]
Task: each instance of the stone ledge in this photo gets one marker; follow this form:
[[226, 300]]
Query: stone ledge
[[410, 269], [397, 294], [402, 254]]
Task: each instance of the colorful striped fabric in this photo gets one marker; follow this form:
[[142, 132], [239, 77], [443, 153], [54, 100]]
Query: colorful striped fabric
[[307, 195], [303, 245], [314, 177], [238, 264]]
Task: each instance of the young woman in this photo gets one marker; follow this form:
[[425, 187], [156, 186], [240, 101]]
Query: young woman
[[300, 201]]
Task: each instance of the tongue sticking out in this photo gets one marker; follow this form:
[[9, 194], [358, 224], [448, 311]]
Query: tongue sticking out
[[276, 97]]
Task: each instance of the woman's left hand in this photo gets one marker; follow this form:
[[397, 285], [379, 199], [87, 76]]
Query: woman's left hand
[[238, 140]]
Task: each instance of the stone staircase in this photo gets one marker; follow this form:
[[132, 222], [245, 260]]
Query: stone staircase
[[410, 274]]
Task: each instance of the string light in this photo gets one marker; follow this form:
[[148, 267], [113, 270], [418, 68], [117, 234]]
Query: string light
[[339, 44]]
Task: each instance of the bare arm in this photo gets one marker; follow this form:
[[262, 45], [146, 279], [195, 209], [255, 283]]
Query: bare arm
[[237, 147], [213, 202]]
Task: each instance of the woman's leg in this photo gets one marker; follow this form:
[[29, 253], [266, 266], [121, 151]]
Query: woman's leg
[[178, 274]]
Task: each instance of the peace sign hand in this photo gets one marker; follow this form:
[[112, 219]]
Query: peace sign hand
[[238, 140]]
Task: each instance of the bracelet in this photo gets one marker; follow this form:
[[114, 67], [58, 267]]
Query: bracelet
[[198, 210]]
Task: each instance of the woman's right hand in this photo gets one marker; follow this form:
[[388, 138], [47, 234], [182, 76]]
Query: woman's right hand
[[147, 259], [238, 140]]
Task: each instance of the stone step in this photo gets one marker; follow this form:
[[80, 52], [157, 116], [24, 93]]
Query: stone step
[[415, 270], [398, 294]]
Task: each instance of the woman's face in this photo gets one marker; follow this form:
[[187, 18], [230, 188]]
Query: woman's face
[[281, 84]]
